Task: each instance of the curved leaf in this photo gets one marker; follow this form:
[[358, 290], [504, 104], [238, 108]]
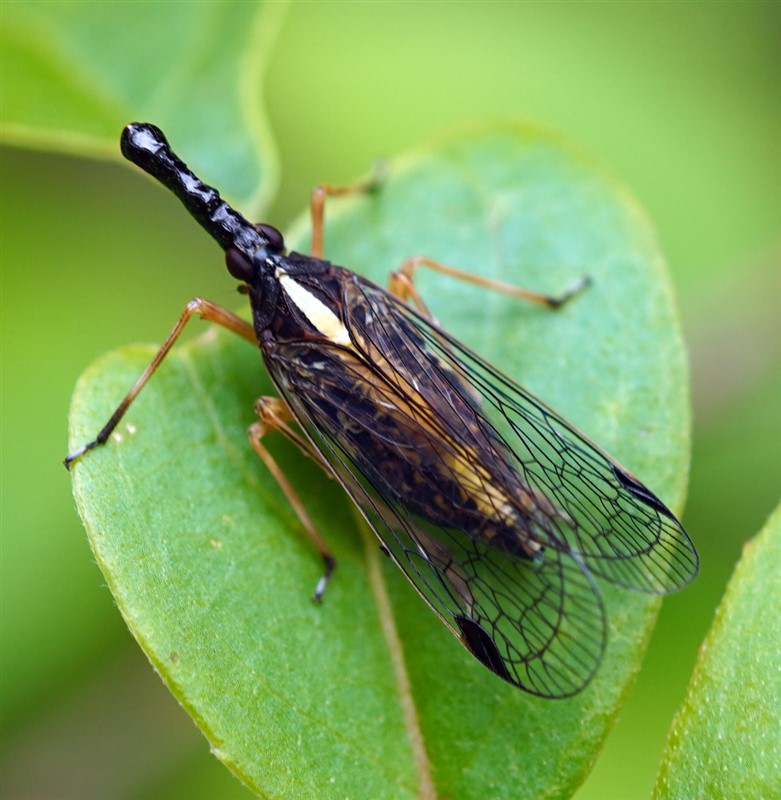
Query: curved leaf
[[208, 563], [75, 73], [725, 740]]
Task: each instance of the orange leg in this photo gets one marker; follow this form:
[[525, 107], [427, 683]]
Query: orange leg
[[402, 284], [275, 415], [402, 280], [317, 206], [196, 307]]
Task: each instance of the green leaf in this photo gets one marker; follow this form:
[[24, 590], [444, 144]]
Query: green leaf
[[725, 740], [75, 73], [209, 566]]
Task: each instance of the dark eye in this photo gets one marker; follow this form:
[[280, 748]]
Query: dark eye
[[238, 264], [274, 237]]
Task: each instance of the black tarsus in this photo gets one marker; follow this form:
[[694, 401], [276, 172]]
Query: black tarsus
[[330, 566]]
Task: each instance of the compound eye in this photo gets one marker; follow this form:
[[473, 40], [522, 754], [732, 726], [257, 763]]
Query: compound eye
[[238, 264], [275, 240]]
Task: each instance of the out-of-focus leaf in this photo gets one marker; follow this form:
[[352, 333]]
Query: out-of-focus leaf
[[75, 73], [725, 741]]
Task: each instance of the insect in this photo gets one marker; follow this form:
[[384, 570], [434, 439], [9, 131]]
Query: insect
[[500, 513]]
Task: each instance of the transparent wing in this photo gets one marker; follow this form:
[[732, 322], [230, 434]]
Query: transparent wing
[[587, 503], [497, 510], [539, 625]]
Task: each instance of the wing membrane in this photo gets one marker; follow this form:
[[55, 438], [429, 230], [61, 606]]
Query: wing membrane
[[497, 510]]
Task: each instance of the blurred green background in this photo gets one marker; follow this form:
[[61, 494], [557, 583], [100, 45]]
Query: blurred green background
[[679, 100]]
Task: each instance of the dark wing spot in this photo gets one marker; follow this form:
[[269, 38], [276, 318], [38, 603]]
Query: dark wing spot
[[482, 647], [640, 491]]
